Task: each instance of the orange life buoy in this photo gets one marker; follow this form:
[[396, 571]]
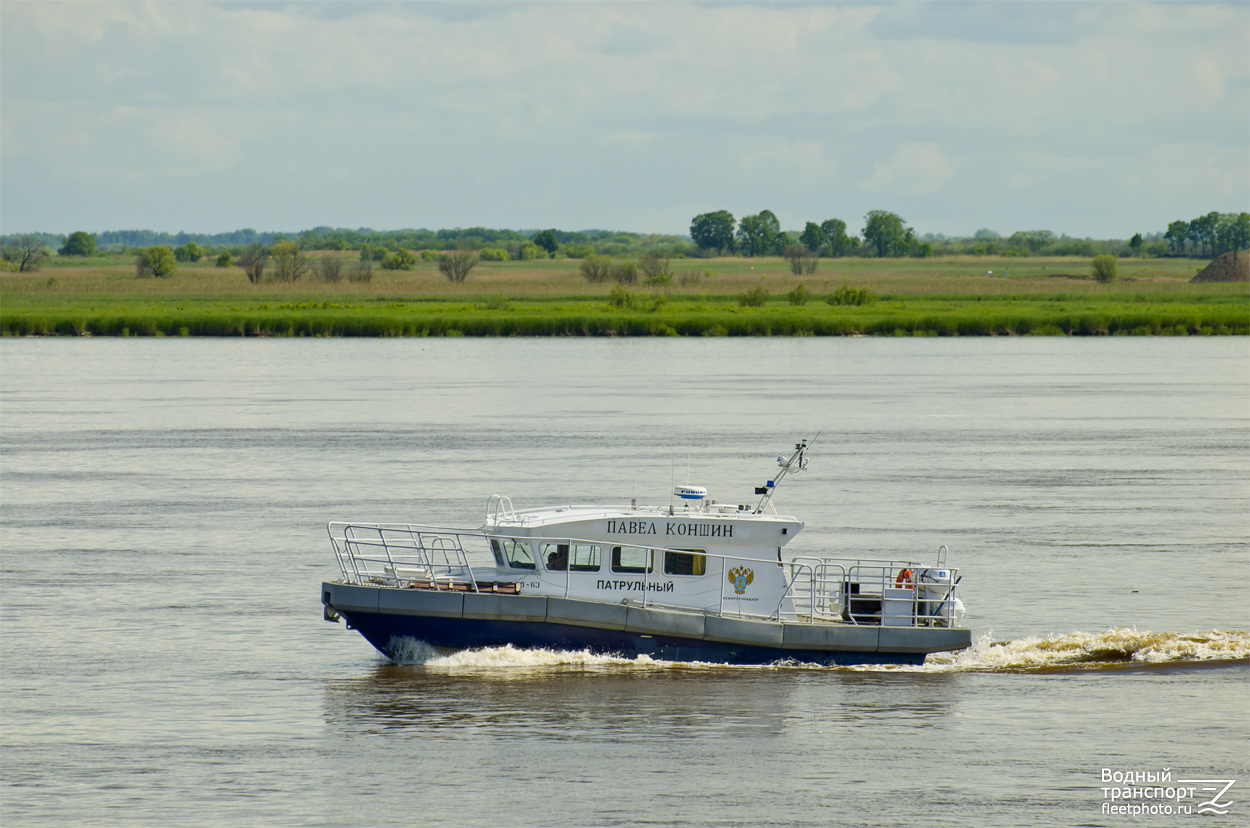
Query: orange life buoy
[[904, 579]]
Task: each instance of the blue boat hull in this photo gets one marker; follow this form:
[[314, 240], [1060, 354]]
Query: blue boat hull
[[384, 632], [391, 618]]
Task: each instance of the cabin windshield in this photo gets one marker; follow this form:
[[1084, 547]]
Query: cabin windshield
[[512, 554]]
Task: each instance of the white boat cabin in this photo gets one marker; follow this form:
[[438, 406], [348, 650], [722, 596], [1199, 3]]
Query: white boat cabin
[[696, 554]]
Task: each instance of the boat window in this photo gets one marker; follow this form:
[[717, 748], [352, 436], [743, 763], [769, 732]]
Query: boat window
[[632, 559], [585, 557], [557, 556], [517, 554], [579, 557], [693, 562]]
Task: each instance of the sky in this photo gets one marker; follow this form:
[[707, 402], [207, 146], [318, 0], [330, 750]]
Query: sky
[[1091, 119]]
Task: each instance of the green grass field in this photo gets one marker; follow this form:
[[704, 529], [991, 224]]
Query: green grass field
[[939, 296]]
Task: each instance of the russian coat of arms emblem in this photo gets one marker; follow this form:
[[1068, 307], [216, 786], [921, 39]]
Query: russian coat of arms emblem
[[740, 576]]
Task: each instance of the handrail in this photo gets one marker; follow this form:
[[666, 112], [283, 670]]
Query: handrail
[[502, 505], [384, 552]]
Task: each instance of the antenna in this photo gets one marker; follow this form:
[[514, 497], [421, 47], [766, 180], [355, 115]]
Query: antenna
[[796, 463], [633, 500], [672, 481]]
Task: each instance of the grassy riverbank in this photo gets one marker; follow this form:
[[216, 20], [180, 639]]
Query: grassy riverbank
[[949, 296]]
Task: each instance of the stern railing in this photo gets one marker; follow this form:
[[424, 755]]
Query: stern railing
[[887, 593]]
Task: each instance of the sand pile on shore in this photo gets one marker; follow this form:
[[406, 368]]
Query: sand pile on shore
[[1233, 266]]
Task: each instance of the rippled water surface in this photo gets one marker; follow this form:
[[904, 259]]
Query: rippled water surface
[[162, 508]]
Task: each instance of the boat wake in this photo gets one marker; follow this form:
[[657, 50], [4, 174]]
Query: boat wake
[[1118, 649], [411, 651]]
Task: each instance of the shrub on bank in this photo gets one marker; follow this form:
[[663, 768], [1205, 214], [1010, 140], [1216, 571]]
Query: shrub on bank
[[753, 298], [157, 261], [595, 268], [1105, 268], [847, 295]]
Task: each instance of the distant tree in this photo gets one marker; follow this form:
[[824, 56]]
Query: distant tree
[[813, 237], [79, 243], [1031, 240], [1202, 231], [624, 273], [835, 236], [1135, 244], [28, 252], [596, 268], [783, 240], [654, 266], [362, 272], [253, 261], [189, 252], [157, 261], [1231, 232], [528, 251], [456, 264], [330, 268], [399, 260], [224, 259], [986, 234], [1239, 231], [547, 240], [290, 264], [802, 259], [713, 231], [1105, 268], [886, 232], [757, 234], [1176, 236]]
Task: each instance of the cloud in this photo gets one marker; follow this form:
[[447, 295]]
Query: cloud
[[630, 40], [115, 107], [914, 168], [629, 137], [805, 158], [989, 21]]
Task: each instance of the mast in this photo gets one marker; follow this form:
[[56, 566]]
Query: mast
[[796, 463]]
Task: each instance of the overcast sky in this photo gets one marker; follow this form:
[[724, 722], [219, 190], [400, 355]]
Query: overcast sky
[[1088, 118]]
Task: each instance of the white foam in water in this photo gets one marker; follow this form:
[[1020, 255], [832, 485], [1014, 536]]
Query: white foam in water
[[1112, 648], [411, 651], [1093, 651]]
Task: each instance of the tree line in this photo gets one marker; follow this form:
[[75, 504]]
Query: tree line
[[887, 234], [1212, 234], [711, 234], [603, 242]]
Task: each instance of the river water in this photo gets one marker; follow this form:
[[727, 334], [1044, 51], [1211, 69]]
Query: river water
[[162, 543]]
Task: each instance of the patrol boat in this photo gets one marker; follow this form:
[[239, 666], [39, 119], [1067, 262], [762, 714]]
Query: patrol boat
[[695, 580]]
